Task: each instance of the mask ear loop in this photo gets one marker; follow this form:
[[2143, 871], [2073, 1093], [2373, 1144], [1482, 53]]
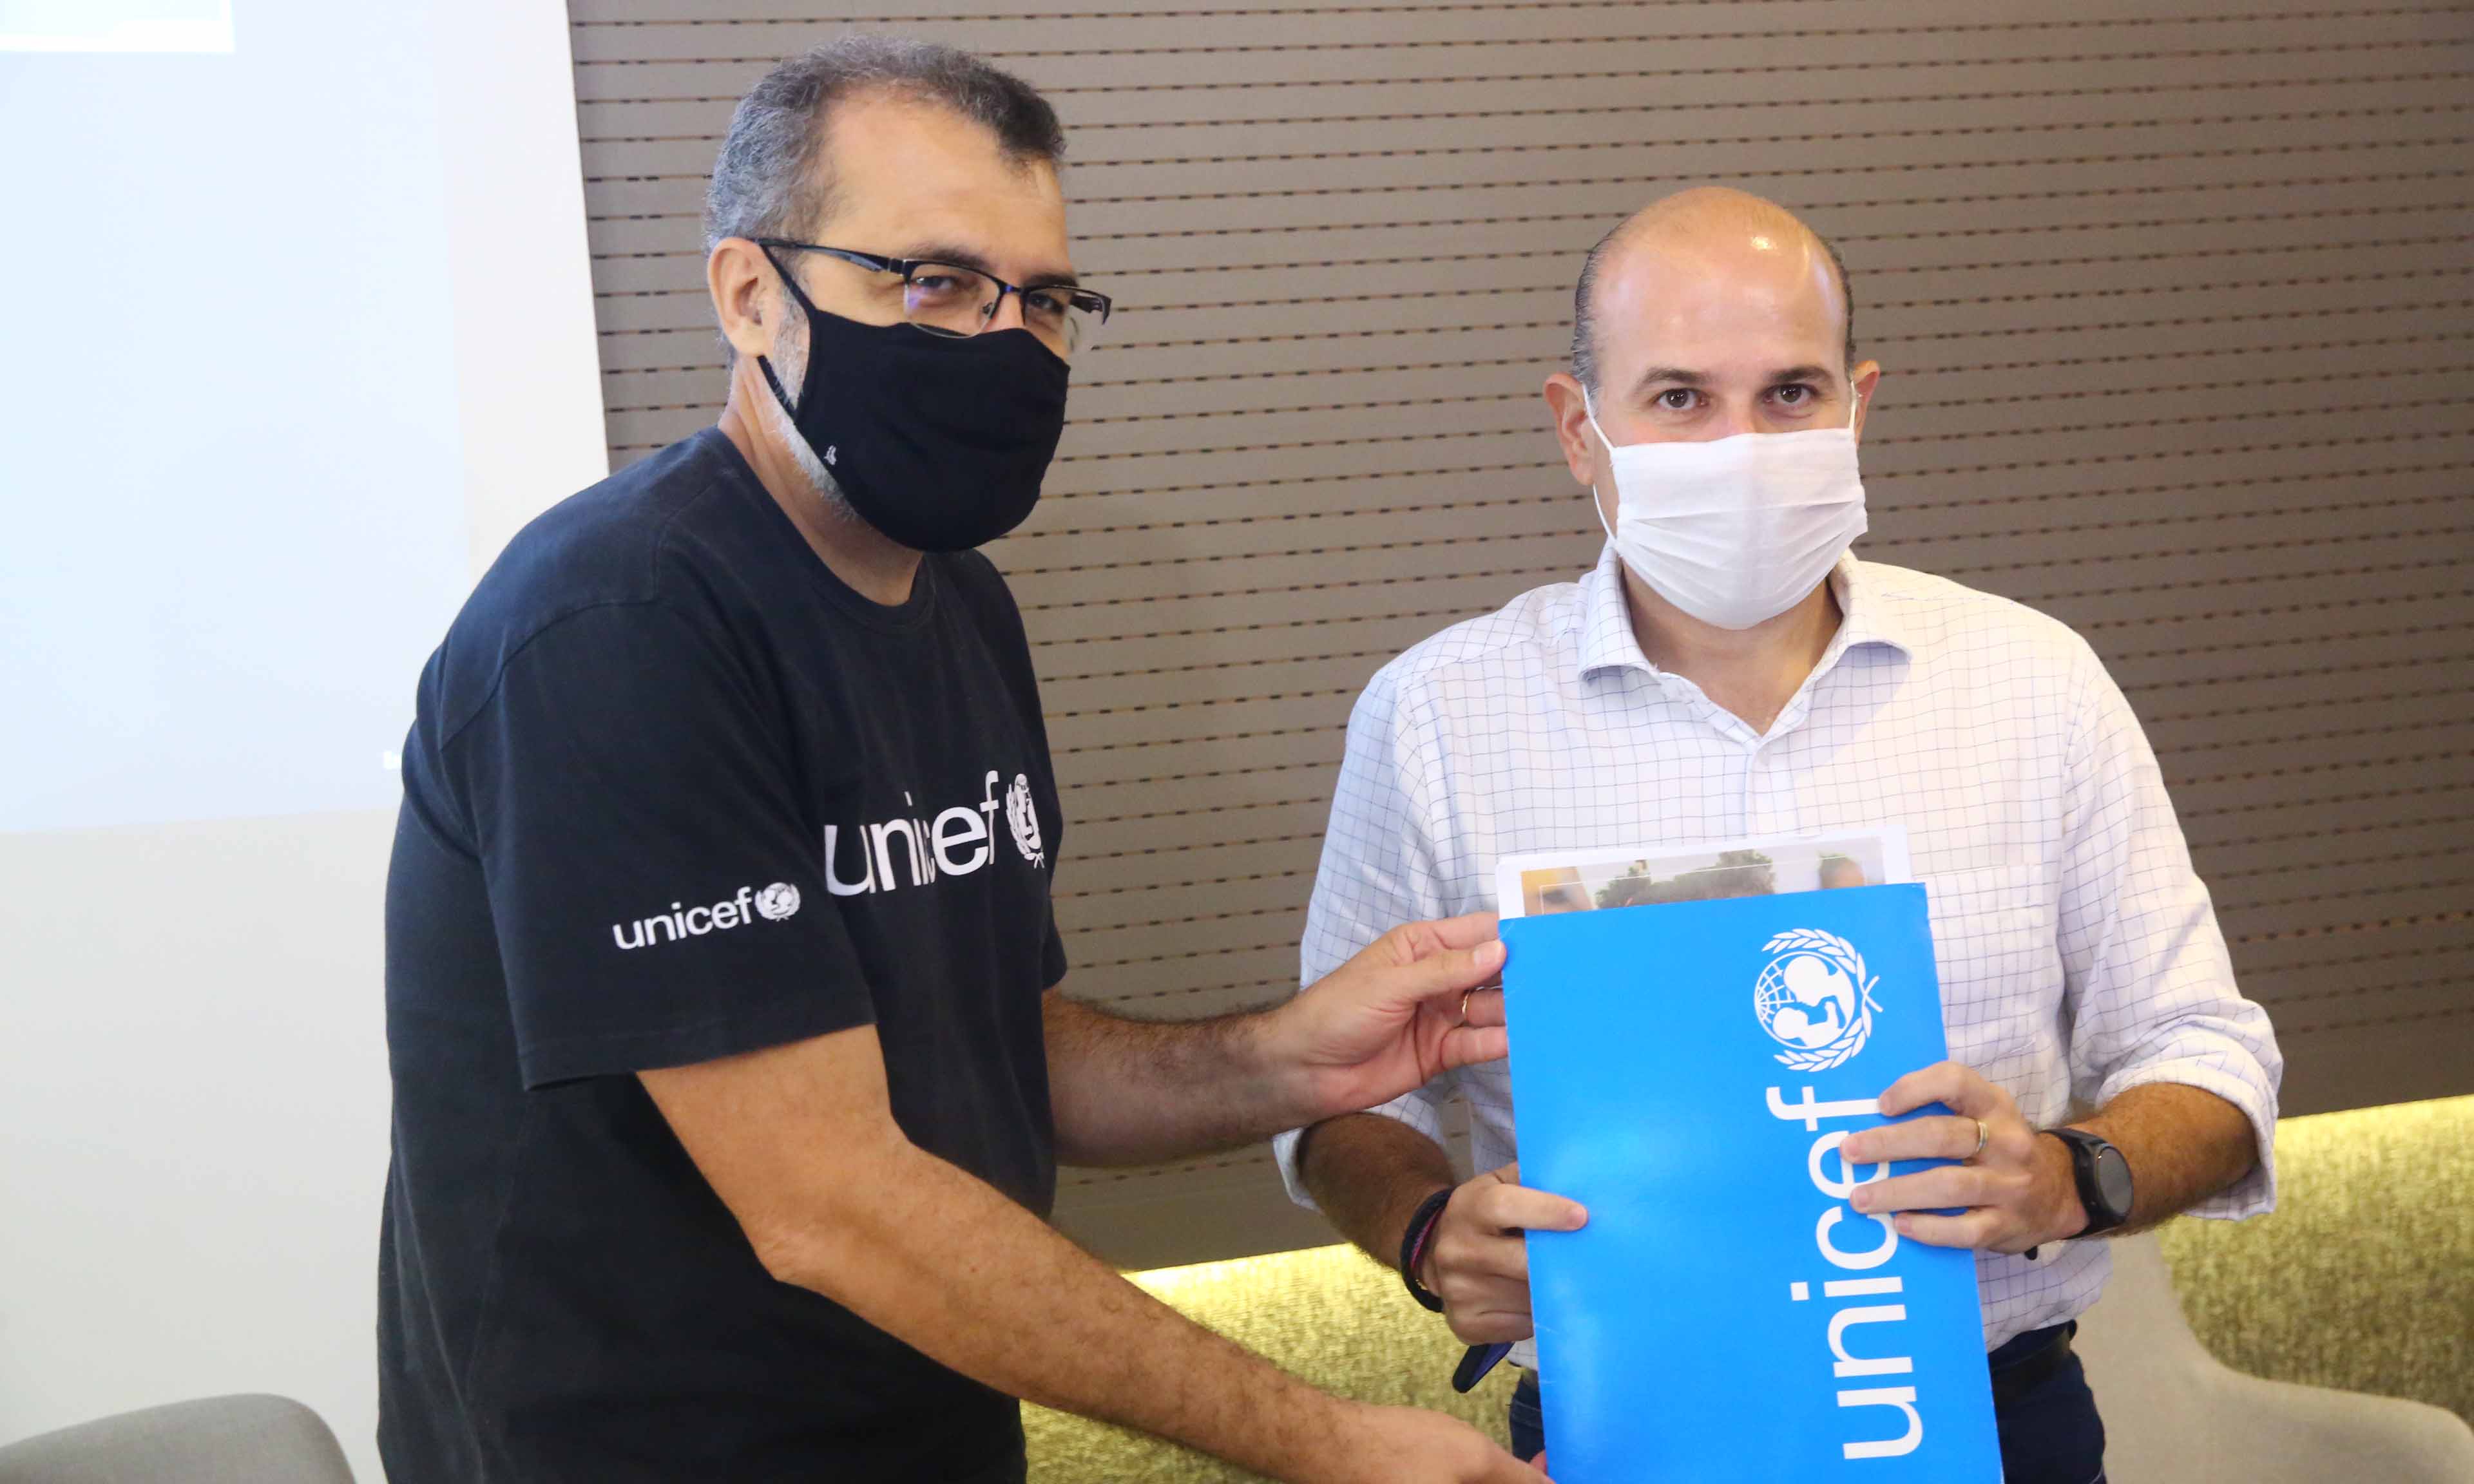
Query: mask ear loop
[[764, 364], [1595, 508]]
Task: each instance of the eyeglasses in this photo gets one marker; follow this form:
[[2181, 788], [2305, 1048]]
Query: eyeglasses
[[949, 298]]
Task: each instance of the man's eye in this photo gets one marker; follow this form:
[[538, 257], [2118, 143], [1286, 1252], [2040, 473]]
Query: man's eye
[[1045, 303], [936, 285], [1795, 396], [1676, 398]]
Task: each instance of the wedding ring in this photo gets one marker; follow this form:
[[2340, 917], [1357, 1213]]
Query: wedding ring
[[1465, 997], [1982, 1136]]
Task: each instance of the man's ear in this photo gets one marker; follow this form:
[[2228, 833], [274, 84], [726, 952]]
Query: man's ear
[[1572, 429], [1868, 375], [740, 280]]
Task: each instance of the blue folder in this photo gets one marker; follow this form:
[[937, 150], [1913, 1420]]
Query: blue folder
[[1685, 1071]]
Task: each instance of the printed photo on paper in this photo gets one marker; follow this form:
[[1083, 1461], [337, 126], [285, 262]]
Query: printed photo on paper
[[1544, 882]]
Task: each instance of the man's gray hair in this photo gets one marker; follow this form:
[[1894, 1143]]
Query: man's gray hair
[[770, 179], [1585, 293]]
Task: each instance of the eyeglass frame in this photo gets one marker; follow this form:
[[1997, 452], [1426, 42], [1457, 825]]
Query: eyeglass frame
[[1088, 300]]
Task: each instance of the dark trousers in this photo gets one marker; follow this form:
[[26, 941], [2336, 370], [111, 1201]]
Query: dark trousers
[[2041, 1406]]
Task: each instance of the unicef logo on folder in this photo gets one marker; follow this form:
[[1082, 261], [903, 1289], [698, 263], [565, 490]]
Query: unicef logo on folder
[[1813, 997]]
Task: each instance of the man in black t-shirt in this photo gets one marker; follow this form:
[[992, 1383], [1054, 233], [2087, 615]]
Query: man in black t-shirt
[[731, 1067]]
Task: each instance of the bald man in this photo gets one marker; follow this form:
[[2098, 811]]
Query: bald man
[[1728, 669]]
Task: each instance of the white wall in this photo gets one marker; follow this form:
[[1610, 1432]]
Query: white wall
[[193, 1118], [193, 1087]]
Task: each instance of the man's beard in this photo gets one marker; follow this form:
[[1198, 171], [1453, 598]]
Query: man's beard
[[790, 360]]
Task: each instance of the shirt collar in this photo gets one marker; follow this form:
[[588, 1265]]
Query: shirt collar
[[1868, 616], [1607, 641]]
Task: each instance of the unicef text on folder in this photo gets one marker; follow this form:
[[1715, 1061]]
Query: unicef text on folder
[[1694, 1033]]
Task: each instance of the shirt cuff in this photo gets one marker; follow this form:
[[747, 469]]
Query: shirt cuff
[[1414, 1109], [2255, 1193]]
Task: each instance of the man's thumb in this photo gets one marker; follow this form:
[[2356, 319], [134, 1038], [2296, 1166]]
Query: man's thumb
[[1452, 971]]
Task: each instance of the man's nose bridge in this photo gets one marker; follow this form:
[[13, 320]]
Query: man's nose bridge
[[1740, 419], [1009, 301]]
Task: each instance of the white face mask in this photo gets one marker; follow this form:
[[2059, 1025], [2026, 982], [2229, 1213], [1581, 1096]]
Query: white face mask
[[1737, 529]]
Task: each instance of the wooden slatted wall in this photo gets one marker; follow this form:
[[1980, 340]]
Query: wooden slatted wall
[[2176, 298]]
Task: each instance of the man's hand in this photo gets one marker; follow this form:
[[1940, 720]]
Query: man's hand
[[1477, 1261], [2016, 1193], [1417, 1000], [1400, 1444], [1391, 1019]]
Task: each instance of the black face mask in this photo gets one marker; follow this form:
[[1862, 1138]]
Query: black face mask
[[938, 442]]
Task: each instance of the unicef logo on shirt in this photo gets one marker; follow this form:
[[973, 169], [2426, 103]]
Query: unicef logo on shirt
[[1814, 998], [777, 901], [1024, 818]]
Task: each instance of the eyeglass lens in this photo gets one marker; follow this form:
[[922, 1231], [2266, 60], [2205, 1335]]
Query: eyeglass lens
[[958, 300]]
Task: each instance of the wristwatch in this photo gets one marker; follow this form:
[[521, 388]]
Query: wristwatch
[[2103, 1177]]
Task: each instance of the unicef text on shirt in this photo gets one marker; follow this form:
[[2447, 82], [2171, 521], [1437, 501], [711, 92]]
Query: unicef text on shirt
[[746, 905], [955, 844]]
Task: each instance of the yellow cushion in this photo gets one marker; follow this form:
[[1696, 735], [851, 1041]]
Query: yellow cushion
[[2363, 1278]]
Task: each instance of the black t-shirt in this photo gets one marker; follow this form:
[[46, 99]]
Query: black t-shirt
[[675, 792]]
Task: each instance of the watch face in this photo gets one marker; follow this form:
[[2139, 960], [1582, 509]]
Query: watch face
[[2112, 1182]]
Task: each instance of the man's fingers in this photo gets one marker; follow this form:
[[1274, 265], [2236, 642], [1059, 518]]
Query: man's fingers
[[1942, 1137], [1494, 1266], [1412, 943], [1939, 1188], [1445, 975], [1465, 931], [1485, 1006], [1960, 1088], [1472, 1045], [1489, 1325], [1517, 1208], [1969, 1229], [1934, 1084]]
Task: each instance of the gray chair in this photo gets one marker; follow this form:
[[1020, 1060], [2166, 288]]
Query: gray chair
[[2174, 1413], [220, 1440]]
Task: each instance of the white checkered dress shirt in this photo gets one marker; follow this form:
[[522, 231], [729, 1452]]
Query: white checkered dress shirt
[[2080, 956]]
